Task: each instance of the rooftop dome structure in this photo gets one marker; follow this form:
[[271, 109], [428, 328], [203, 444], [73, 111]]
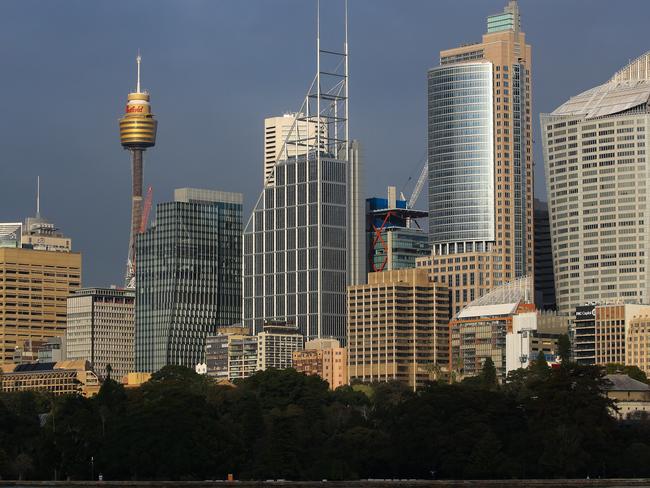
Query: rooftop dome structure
[[503, 300], [627, 91]]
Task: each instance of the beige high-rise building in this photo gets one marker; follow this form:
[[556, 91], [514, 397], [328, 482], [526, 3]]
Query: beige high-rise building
[[325, 358], [480, 162], [34, 287], [276, 132], [101, 330], [398, 328], [597, 179], [637, 342]]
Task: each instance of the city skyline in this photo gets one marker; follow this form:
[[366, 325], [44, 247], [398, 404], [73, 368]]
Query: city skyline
[[221, 105]]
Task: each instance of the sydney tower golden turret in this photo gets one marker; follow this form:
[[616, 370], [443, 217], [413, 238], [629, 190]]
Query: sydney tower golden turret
[[137, 133]]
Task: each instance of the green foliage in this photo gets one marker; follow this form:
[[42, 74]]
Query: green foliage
[[539, 366], [489, 374], [564, 349], [542, 423]]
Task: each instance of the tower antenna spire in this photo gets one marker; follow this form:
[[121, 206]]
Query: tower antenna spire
[[138, 61], [38, 196]]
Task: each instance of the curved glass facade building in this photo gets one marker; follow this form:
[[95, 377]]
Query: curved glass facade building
[[461, 155], [480, 162]]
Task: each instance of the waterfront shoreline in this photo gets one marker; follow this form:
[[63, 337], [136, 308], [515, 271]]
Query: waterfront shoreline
[[575, 483]]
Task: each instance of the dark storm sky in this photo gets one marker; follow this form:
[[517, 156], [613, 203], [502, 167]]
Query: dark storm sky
[[216, 68]]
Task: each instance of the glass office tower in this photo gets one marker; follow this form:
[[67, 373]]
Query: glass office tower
[[188, 277], [295, 249], [461, 156], [480, 162]]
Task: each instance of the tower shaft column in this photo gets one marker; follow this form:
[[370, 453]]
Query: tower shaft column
[[136, 208], [136, 194]]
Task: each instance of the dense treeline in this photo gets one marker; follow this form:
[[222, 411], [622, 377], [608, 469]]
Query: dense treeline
[[281, 424]]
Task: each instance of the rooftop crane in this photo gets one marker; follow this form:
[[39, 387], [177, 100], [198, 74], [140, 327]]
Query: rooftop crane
[[416, 190], [419, 185]]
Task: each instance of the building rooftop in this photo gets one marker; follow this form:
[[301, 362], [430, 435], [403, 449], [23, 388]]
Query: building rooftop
[[502, 300], [622, 382], [103, 291], [627, 90], [10, 234], [198, 195], [75, 364]]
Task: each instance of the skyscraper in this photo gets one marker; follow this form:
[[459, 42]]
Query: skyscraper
[[100, 330], [302, 241], [189, 277], [137, 133], [597, 180], [480, 161], [544, 278]]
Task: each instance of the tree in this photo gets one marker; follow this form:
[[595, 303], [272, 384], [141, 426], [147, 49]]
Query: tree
[[564, 349], [488, 374], [23, 465], [539, 366]]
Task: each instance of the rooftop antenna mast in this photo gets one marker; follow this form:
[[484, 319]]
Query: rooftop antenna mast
[[325, 106], [138, 60], [319, 131], [38, 197]]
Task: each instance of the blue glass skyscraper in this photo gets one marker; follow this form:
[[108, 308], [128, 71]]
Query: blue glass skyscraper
[[188, 277]]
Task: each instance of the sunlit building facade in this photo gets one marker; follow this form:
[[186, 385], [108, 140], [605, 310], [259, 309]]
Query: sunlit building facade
[[101, 329], [34, 288], [602, 334], [60, 378], [398, 328], [325, 358], [479, 331], [480, 162], [597, 180]]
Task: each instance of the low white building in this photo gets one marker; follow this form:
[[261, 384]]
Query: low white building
[[531, 333]]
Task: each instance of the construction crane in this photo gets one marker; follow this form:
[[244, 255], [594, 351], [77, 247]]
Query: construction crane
[[146, 210], [143, 226], [418, 186], [416, 191]]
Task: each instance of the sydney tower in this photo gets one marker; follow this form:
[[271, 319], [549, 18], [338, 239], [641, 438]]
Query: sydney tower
[[137, 133]]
